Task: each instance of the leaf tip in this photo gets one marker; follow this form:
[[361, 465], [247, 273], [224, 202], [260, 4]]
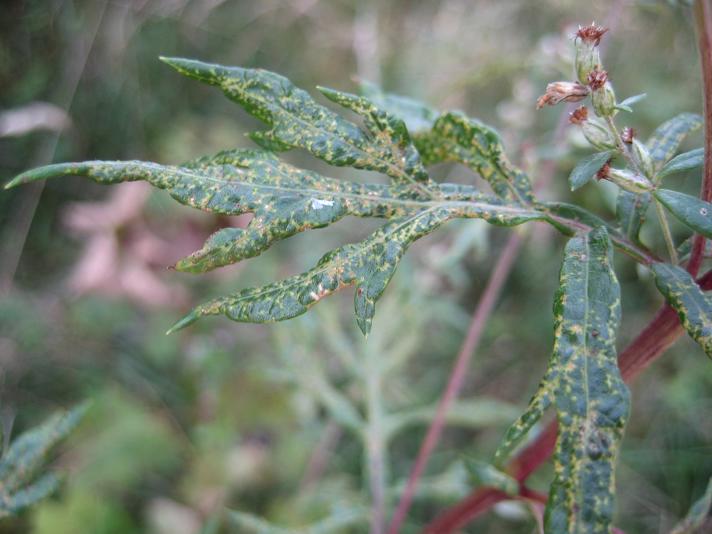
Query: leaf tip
[[183, 322], [205, 72]]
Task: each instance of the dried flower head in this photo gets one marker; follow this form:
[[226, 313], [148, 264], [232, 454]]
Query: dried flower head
[[627, 135], [597, 78], [604, 171], [562, 92], [591, 34], [579, 115]]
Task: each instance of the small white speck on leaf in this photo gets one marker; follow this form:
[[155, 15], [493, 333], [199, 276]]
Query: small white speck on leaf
[[317, 203]]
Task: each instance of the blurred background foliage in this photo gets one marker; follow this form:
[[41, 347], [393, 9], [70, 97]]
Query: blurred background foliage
[[260, 419]]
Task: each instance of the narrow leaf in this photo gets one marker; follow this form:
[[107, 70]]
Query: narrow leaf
[[692, 305], [689, 210], [487, 475], [667, 137], [297, 121], [698, 515], [633, 99], [592, 401], [538, 404], [631, 212], [455, 137], [683, 162], [587, 168]]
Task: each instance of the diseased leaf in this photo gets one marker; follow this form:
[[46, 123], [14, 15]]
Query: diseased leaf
[[667, 137], [687, 299], [455, 137], [689, 210], [697, 516], [416, 115], [683, 162], [591, 399], [369, 265], [20, 462], [285, 200], [487, 475], [540, 401], [297, 121], [587, 168], [631, 211]]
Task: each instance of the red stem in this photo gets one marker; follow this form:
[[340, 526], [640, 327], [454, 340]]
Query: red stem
[[650, 343], [479, 319], [703, 26]]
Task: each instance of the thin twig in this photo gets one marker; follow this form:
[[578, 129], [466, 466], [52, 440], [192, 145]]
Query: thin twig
[[703, 27], [669, 242]]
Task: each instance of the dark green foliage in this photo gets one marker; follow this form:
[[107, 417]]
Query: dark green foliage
[[587, 168], [689, 210]]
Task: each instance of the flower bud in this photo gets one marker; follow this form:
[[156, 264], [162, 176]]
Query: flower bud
[[604, 101], [562, 92], [628, 180], [587, 57], [627, 135], [597, 133], [642, 158]]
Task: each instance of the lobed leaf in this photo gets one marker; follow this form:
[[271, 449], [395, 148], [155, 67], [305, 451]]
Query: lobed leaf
[[666, 139], [456, 137], [689, 210], [592, 401], [683, 162], [369, 265], [297, 121], [692, 305], [587, 168], [285, 200]]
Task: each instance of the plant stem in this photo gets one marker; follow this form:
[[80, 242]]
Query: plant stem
[[649, 344], [666, 232], [703, 27], [375, 445]]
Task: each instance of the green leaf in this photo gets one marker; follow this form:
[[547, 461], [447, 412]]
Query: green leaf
[[297, 121], [456, 137], [628, 102], [587, 168], [369, 265], [689, 210], [698, 515], [487, 475], [285, 200], [339, 519], [592, 401], [667, 137], [538, 404], [692, 305], [631, 211], [25, 455], [683, 162], [416, 115]]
